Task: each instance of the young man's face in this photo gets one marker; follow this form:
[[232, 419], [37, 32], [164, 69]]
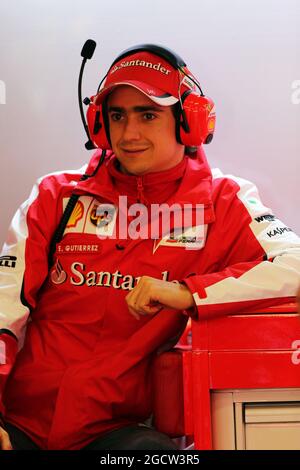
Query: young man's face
[[142, 133]]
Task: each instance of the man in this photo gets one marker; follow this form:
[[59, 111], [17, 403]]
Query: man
[[111, 301]]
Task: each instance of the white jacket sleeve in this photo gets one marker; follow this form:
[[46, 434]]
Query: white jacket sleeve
[[262, 254]]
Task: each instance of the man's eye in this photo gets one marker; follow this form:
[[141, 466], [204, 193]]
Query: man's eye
[[116, 116], [149, 116]]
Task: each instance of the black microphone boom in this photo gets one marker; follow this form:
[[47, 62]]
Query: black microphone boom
[[86, 52], [88, 49]]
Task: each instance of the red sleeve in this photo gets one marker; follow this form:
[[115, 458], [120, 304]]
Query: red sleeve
[[8, 351]]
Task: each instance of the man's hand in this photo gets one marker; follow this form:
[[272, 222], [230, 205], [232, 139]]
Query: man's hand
[[5, 443], [150, 295]]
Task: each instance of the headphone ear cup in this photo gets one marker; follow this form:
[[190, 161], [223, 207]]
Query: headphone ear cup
[[201, 118], [96, 126]]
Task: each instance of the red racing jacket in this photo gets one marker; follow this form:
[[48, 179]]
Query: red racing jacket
[[74, 362]]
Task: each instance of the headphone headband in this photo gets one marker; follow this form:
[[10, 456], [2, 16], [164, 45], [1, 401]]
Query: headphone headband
[[194, 112], [165, 53]]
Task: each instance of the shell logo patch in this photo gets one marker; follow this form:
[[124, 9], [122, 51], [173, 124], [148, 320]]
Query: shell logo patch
[[76, 215]]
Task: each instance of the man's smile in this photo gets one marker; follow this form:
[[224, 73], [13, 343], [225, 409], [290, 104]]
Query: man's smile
[[134, 151]]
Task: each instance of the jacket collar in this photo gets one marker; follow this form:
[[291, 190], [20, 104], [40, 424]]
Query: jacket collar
[[189, 182]]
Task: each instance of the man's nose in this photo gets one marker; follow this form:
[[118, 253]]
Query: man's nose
[[131, 129]]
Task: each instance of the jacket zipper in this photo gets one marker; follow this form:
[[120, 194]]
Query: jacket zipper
[[140, 189]]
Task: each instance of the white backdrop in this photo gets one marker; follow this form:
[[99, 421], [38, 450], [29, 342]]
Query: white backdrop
[[245, 54]]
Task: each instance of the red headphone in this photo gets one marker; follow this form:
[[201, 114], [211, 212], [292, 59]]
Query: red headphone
[[195, 113]]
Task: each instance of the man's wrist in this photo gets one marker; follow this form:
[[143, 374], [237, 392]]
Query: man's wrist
[[191, 309]]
